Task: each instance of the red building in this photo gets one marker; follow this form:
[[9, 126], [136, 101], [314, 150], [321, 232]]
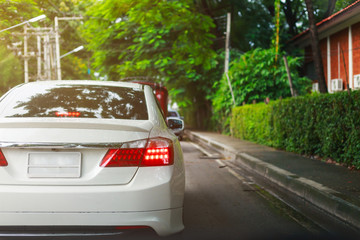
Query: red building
[[339, 37]]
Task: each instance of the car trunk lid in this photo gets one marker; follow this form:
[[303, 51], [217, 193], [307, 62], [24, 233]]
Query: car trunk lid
[[67, 152]]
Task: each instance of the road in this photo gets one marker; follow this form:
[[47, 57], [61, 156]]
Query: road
[[222, 204]]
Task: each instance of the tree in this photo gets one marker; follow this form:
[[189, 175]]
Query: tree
[[255, 76], [10, 70], [330, 9], [73, 66], [295, 16], [164, 41], [340, 4], [17, 11], [250, 22], [157, 39], [12, 13], [316, 48], [294, 12]]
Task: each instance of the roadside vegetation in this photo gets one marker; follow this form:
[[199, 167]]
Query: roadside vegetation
[[255, 76], [325, 125], [180, 44], [177, 43]]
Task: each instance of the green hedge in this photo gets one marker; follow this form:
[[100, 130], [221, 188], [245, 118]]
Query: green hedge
[[327, 125]]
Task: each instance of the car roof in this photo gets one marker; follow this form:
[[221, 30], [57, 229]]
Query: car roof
[[87, 82]]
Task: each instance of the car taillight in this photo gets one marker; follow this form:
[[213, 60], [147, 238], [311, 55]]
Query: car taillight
[[3, 162], [159, 152], [156, 152], [127, 157], [67, 114]]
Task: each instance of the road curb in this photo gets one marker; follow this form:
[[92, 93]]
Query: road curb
[[319, 195]]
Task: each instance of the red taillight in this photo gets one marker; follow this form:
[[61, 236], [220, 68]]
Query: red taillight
[[158, 152], [156, 157], [67, 114], [123, 157], [3, 162]]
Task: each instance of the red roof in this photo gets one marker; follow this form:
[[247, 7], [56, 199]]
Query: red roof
[[343, 11], [335, 18]]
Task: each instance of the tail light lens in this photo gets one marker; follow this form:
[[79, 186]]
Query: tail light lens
[[158, 152], [143, 153], [3, 162], [67, 114]]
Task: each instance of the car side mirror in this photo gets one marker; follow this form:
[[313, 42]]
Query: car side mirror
[[175, 123]]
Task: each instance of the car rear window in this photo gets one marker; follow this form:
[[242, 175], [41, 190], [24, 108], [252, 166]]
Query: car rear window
[[83, 101]]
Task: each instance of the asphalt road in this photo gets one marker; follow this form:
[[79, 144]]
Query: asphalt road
[[222, 204]]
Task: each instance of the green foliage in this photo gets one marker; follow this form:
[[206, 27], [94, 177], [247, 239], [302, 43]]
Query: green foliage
[[10, 70], [327, 125], [73, 66], [340, 4], [255, 76], [252, 125], [164, 41], [159, 39], [16, 11], [251, 22]]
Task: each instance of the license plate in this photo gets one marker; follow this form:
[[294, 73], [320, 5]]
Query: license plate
[[54, 165]]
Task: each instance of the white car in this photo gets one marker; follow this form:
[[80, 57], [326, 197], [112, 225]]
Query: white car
[[88, 153]]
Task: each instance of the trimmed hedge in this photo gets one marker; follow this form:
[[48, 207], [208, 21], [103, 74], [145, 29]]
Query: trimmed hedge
[[326, 125]]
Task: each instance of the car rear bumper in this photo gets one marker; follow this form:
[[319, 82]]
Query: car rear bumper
[[164, 222], [153, 198]]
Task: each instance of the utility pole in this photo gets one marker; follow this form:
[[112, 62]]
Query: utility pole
[[293, 92], [57, 42], [48, 55], [38, 38], [25, 34], [26, 66], [42, 51], [57, 47], [46, 58], [227, 43], [227, 54]]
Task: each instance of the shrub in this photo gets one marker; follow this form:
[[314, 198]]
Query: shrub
[[327, 125], [255, 76]]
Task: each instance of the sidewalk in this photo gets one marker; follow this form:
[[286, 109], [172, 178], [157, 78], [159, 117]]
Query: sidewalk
[[334, 189]]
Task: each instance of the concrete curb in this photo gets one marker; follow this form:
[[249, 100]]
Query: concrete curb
[[313, 192]]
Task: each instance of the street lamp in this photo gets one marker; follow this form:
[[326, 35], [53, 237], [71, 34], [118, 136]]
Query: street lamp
[[57, 41], [26, 68], [72, 51], [35, 19]]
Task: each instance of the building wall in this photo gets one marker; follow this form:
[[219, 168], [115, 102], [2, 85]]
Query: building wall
[[356, 48], [323, 49], [341, 53], [339, 56]]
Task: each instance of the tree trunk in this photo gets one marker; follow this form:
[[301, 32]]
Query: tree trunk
[[316, 48], [330, 9]]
